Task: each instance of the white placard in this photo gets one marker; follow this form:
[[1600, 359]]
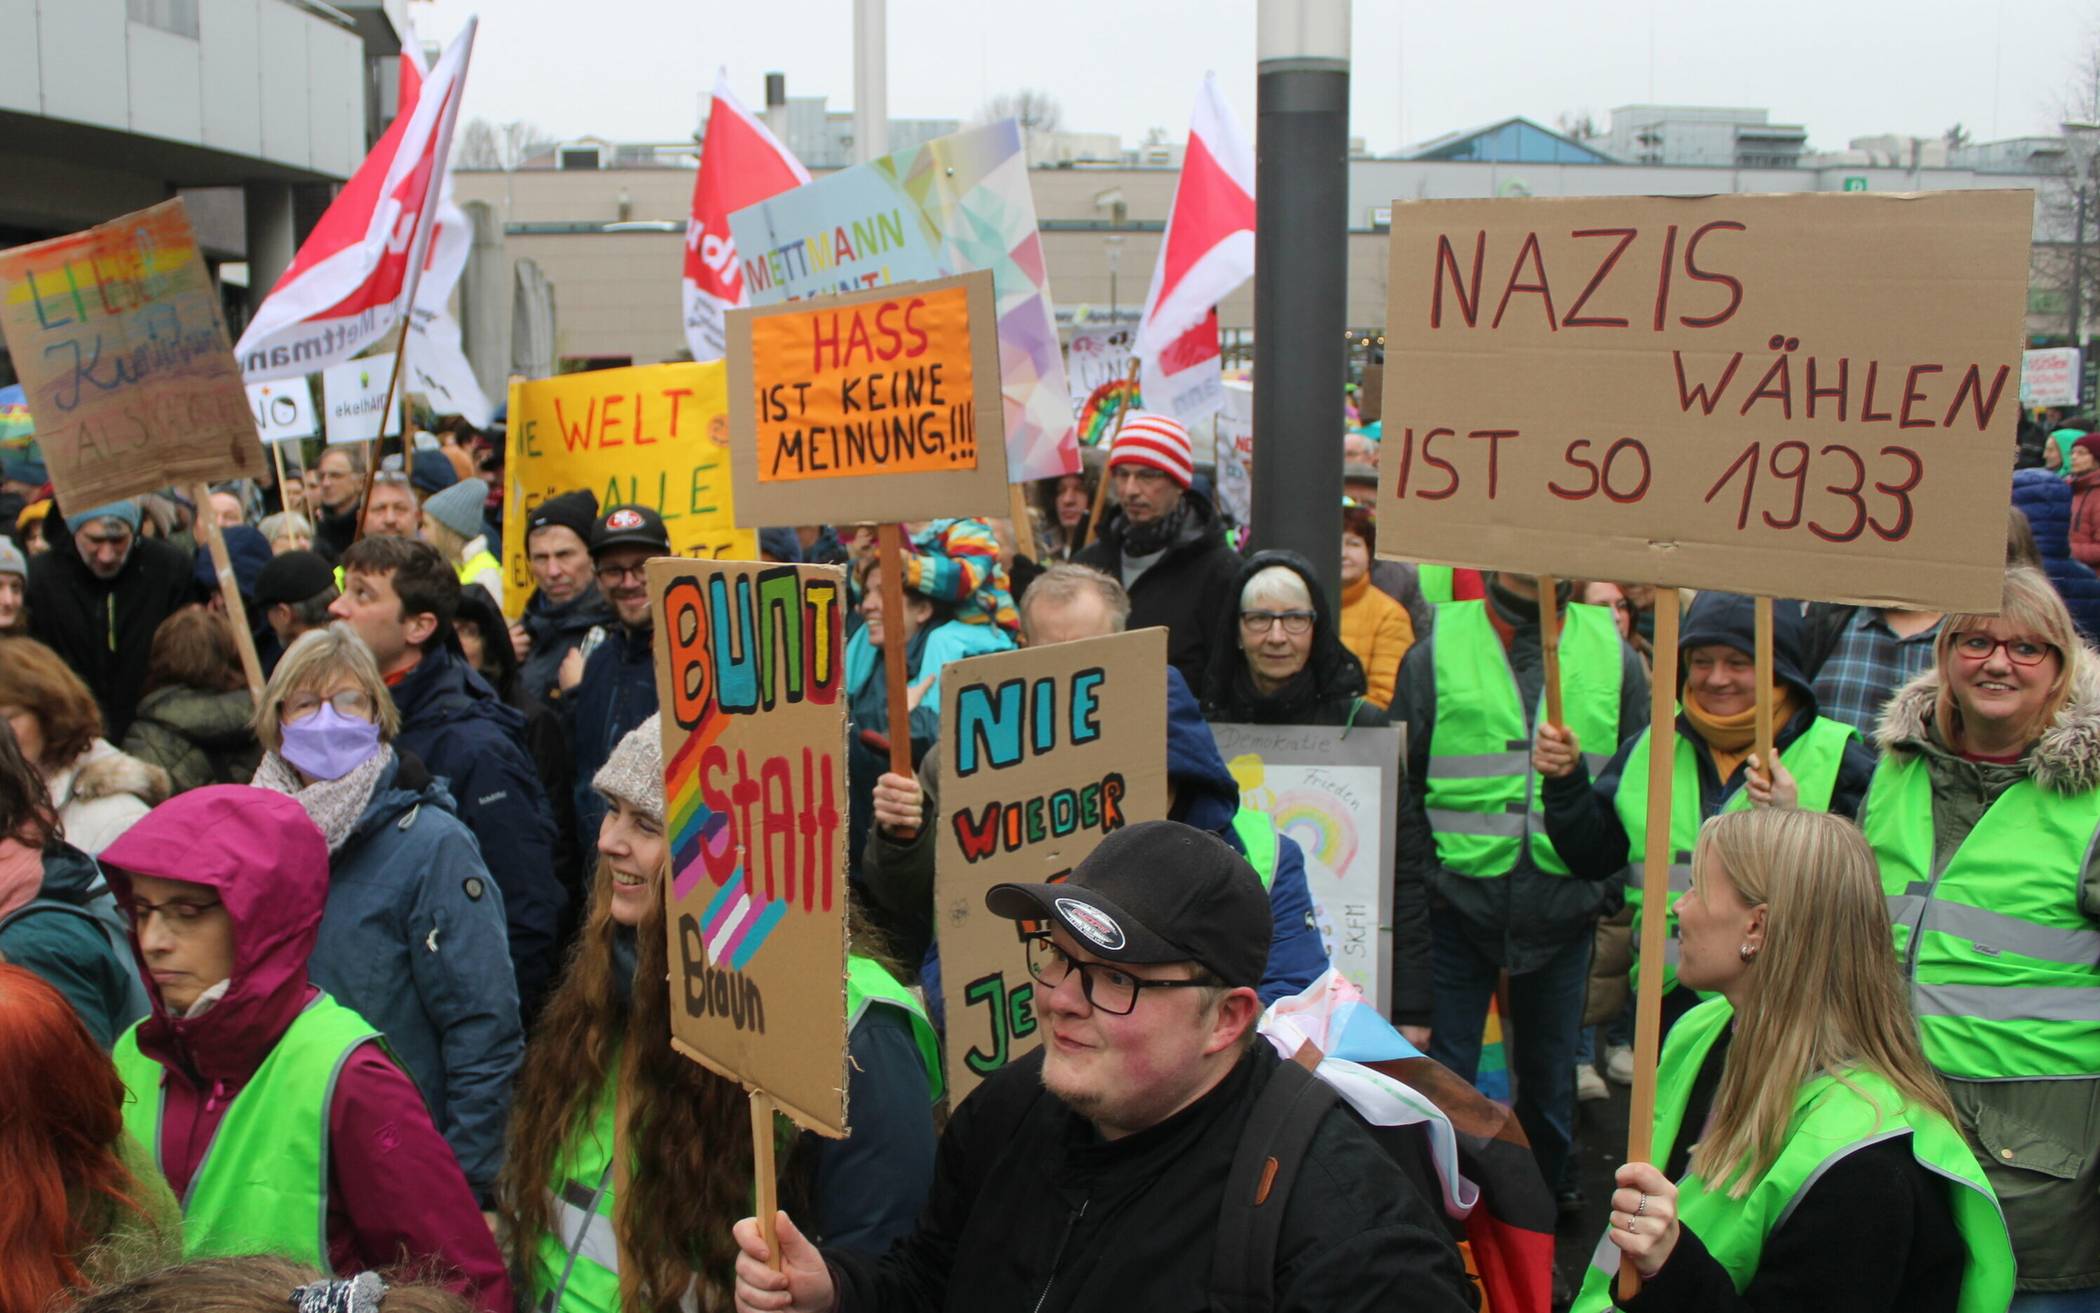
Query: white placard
[[353, 393], [2049, 377], [284, 410]]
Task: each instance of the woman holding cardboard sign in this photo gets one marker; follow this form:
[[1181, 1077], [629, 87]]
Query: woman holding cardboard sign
[[590, 1235], [1984, 815], [1598, 826], [1811, 1159]]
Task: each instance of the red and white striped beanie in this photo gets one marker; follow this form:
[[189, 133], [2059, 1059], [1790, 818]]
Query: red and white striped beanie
[[1149, 438]]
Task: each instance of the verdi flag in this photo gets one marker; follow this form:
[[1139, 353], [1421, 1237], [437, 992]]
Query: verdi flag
[[355, 275], [740, 164]]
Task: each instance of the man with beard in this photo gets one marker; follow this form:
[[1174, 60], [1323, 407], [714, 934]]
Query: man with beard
[[96, 597], [605, 696], [1165, 543]]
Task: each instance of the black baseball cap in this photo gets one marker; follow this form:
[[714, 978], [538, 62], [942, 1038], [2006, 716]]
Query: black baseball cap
[[630, 525], [1157, 891], [293, 577]]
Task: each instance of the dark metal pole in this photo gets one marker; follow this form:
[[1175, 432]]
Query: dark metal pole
[[1301, 271]]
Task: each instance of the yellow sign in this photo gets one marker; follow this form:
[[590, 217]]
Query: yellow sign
[[657, 435]]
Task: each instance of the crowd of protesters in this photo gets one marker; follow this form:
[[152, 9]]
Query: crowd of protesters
[[350, 993]]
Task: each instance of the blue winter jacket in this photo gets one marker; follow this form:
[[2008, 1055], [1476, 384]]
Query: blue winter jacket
[[475, 742], [2045, 500], [618, 692], [412, 939]]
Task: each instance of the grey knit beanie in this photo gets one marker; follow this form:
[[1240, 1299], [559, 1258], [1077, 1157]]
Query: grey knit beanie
[[634, 773], [11, 559], [458, 507]]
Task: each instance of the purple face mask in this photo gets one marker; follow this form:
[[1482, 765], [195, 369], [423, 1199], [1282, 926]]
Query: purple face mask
[[328, 744]]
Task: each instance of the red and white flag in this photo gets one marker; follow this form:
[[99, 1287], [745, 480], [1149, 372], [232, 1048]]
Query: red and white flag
[[356, 272], [437, 365], [740, 164], [1208, 252]]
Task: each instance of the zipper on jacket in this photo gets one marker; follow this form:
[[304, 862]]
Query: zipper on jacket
[[1058, 1257]]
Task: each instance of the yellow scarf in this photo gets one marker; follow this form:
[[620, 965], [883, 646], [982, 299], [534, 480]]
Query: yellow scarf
[[1729, 739]]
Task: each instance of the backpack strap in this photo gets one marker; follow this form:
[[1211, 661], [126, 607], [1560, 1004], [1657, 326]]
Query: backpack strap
[[1258, 1187]]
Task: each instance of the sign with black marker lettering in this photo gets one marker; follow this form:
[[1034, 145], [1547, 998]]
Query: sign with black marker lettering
[[1808, 396]]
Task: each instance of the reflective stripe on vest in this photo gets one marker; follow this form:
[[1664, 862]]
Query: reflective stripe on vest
[[2003, 968], [1814, 758], [1483, 797], [1437, 584], [1831, 1120], [869, 983], [262, 1185], [1257, 833], [576, 1265]]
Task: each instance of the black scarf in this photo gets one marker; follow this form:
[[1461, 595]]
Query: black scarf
[[1155, 535]]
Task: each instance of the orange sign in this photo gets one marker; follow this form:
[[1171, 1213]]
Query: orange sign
[[882, 387]]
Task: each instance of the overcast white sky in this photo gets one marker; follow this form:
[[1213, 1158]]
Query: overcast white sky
[[634, 70]]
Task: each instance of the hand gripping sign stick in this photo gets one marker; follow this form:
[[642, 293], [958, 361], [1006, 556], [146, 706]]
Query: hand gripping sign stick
[[1767, 754], [889, 538], [768, 1197], [1655, 892], [1549, 645]]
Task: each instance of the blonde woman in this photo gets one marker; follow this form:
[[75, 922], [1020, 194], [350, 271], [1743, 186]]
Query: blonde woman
[[452, 523], [1809, 1156], [1984, 815]]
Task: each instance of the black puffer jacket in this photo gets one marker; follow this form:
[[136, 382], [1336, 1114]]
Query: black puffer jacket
[[1032, 1209], [1329, 690], [1186, 589], [103, 628]]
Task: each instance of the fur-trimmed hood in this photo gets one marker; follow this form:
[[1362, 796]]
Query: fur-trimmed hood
[[104, 772], [2065, 759]]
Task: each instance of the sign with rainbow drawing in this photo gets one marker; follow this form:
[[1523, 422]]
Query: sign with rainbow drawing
[[1336, 793], [750, 683]]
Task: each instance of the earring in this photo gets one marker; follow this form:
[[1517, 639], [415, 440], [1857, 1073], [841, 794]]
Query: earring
[[1746, 952]]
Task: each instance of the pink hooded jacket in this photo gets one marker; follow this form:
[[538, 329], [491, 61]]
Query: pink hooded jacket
[[395, 1193]]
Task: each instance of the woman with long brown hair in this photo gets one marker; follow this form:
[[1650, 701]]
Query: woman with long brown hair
[[1809, 1157], [579, 1244], [83, 1203]]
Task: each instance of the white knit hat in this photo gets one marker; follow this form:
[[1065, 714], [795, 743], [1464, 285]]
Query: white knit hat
[[634, 773], [1149, 438]]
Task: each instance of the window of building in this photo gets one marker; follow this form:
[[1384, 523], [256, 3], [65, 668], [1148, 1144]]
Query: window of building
[[578, 157], [176, 16]]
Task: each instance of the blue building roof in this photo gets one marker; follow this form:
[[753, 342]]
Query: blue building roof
[[1512, 141]]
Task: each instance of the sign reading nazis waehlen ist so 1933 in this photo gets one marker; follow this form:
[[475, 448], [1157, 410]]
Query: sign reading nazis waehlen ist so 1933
[[750, 684], [1802, 396], [1044, 752]]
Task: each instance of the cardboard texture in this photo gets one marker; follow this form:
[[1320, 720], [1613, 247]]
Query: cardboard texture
[[117, 335], [1044, 751], [750, 683], [1338, 795], [653, 434], [1810, 396], [879, 405]]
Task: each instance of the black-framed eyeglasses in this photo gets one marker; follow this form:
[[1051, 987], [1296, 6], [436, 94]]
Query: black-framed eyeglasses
[[1978, 646], [612, 574], [1107, 988], [178, 914], [1294, 623]]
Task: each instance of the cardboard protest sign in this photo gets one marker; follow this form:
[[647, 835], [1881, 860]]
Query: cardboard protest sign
[[879, 405], [1337, 793], [354, 395], [653, 434], [955, 204], [1044, 751], [2049, 377], [1808, 396], [283, 410], [123, 355], [751, 684]]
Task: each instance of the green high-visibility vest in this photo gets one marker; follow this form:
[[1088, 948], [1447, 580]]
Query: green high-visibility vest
[[475, 564], [262, 1185], [575, 1268], [1483, 797], [1257, 831], [2004, 970], [1832, 1119], [1436, 582], [1814, 760]]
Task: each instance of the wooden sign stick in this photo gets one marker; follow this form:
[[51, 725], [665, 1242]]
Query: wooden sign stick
[[222, 565], [890, 548], [277, 454], [1024, 525], [1767, 754], [762, 1167], [1549, 645], [1655, 893], [378, 447], [1093, 523]]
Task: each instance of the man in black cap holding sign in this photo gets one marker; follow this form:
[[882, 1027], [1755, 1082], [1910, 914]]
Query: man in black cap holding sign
[[1126, 1163], [604, 696]]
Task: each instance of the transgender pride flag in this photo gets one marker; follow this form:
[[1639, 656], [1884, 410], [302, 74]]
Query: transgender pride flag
[[737, 922]]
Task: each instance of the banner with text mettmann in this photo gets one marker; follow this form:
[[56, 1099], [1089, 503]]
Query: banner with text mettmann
[[1044, 752], [750, 684]]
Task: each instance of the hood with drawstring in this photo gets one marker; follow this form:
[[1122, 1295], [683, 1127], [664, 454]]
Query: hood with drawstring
[[1730, 620]]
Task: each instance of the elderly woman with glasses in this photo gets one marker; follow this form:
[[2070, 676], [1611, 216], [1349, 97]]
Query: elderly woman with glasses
[[1985, 818], [413, 935], [1279, 659]]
